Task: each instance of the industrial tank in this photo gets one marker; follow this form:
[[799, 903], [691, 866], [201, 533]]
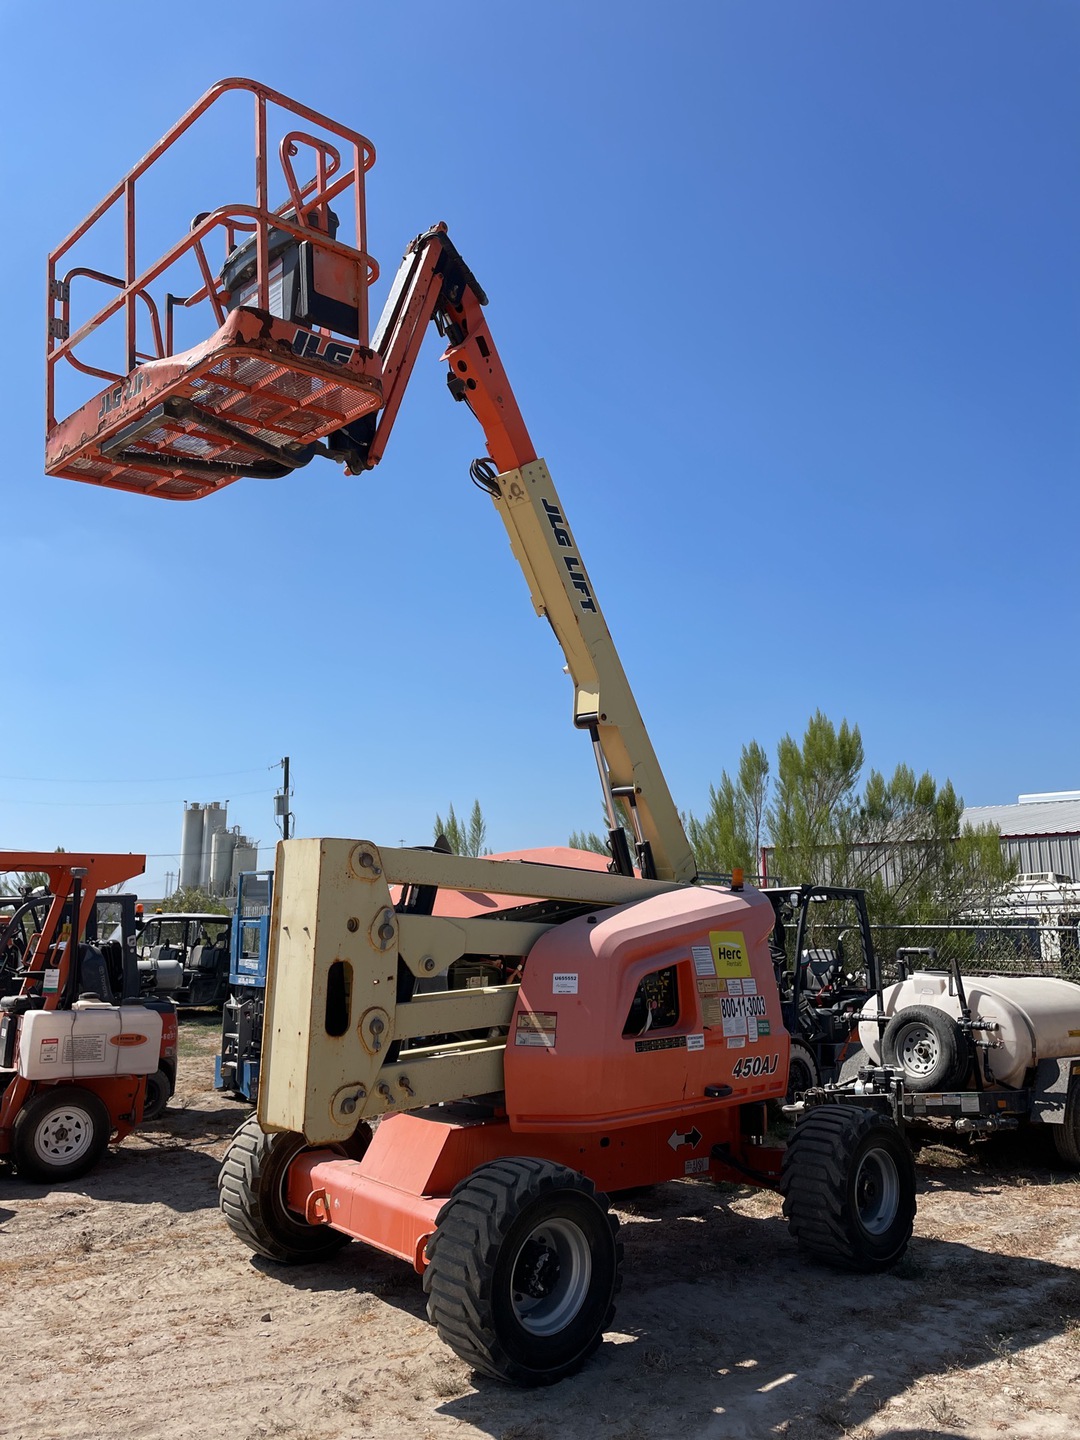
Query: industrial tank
[[191, 845], [222, 844], [214, 819], [1035, 1017]]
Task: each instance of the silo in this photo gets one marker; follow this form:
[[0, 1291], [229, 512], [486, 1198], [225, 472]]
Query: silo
[[214, 819], [245, 857], [191, 844], [222, 844]]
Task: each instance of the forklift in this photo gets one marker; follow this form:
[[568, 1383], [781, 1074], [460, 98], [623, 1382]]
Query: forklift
[[823, 987], [81, 1053], [627, 1027]]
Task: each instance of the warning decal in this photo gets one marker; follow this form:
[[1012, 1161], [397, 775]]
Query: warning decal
[[48, 1050], [537, 1028], [669, 1042]]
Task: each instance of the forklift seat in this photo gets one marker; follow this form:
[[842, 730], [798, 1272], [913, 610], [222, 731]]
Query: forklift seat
[[820, 969]]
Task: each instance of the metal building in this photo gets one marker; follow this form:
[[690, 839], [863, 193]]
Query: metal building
[[1041, 832]]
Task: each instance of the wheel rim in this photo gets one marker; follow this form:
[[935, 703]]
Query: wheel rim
[[550, 1277], [64, 1135], [918, 1050], [877, 1191]]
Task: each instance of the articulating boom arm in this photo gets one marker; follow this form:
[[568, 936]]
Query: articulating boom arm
[[434, 283]]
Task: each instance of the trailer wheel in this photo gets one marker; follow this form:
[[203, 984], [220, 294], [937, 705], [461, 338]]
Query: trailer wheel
[[1067, 1134], [848, 1184], [803, 1072], [158, 1091], [60, 1134], [928, 1046], [523, 1270], [251, 1194]]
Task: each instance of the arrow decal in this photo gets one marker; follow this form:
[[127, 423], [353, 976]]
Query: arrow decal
[[691, 1138]]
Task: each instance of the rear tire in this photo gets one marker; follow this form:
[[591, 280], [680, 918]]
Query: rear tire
[[60, 1134], [158, 1091], [1067, 1135], [928, 1046], [848, 1184], [523, 1270], [251, 1193]]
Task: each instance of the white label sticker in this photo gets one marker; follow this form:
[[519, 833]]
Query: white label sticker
[[695, 1042], [564, 984], [703, 961], [735, 986], [751, 1031], [737, 1042], [48, 1051], [734, 1025], [699, 1166], [749, 987], [84, 1049], [51, 982]]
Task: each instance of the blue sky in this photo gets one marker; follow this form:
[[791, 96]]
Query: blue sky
[[789, 297]]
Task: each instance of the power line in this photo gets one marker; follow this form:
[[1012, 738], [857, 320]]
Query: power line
[[119, 804], [127, 779]]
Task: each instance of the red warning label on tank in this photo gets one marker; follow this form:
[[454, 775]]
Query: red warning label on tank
[[536, 1027], [49, 1051]]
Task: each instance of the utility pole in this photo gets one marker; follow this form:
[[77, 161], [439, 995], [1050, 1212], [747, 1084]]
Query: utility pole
[[281, 801]]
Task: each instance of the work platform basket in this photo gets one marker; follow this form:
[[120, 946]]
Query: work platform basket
[[288, 362]]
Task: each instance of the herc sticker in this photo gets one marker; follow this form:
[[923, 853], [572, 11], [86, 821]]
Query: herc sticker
[[729, 953], [536, 1028], [564, 984]]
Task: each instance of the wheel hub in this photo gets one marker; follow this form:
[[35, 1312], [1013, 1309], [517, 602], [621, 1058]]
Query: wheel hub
[[537, 1271], [918, 1051]]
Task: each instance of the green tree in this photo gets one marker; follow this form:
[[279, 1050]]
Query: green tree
[[464, 839], [191, 900], [732, 830]]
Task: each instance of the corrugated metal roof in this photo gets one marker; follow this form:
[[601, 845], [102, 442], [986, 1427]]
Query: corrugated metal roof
[[1046, 817]]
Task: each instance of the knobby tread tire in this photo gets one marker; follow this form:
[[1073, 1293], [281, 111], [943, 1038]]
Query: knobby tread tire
[[818, 1186], [250, 1190], [158, 1094], [467, 1269]]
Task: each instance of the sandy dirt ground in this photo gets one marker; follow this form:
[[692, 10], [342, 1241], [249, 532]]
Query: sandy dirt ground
[[130, 1311]]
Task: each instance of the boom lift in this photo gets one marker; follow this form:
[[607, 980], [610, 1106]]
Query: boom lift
[[626, 1028], [78, 1048]]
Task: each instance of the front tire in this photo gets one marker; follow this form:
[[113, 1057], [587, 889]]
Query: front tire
[[803, 1071], [251, 1193], [523, 1270], [928, 1046], [848, 1183], [60, 1134]]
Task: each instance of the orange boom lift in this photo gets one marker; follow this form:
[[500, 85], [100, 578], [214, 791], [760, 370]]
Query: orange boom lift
[[533, 1032]]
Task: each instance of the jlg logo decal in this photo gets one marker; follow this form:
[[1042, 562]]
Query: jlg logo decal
[[128, 1039], [317, 347], [573, 564], [119, 394]]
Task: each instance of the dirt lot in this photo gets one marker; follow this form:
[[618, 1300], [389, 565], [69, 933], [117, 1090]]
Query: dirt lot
[[130, 1311]]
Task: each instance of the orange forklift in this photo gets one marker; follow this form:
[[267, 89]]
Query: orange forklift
[[532, 1032], [79, 1051]]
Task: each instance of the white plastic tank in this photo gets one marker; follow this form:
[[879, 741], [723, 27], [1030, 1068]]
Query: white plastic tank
[[92, 1038], [1035, 1017], [191, 845], [214, 819], [222, 844]]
